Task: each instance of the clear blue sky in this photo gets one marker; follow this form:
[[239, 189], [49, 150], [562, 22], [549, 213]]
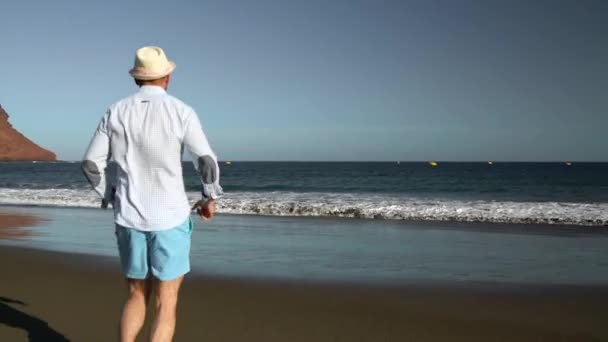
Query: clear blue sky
[[325, 80]]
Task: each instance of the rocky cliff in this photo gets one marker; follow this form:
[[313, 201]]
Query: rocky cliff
[[14, 146]]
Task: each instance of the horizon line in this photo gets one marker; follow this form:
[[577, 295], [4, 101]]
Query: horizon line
[[371, 161]]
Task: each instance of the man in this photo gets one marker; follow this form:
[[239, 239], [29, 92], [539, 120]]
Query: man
[[141, 139]]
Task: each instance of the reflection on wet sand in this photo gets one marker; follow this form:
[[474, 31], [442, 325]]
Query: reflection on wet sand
[[11, 224]]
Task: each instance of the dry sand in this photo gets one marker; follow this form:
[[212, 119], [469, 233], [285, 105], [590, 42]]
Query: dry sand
[[59, 296]]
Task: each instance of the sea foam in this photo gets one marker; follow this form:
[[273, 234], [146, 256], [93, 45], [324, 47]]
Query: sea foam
[[365, 206]]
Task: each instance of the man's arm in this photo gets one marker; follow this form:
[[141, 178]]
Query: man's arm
[[95, 161], [205, 163]]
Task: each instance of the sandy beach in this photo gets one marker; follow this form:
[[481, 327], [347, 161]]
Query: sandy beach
[[56, 296]]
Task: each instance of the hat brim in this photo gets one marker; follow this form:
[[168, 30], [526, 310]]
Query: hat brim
[[146, 75]]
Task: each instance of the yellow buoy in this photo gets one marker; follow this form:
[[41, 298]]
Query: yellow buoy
[[568, 164], [228, 162], [490, 163], [433, 163]]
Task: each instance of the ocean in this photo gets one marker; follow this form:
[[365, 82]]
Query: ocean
[[528, 193], [541, 223]]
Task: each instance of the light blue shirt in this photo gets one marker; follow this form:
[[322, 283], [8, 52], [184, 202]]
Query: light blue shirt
[[134, 159]]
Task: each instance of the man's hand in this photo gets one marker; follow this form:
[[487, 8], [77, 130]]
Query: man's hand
[[105, 202], [205, 209]]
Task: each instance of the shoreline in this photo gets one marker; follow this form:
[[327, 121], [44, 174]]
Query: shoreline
[[352, 250], [481, 226], [81, 261], [57, 287]]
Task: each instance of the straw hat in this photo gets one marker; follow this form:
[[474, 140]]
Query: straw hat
[[151, 63]]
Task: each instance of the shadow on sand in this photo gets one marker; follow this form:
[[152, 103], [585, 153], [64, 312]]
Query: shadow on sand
[[37, 329]]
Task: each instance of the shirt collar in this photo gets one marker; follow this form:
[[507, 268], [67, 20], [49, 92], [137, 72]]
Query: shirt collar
[[151, 89]]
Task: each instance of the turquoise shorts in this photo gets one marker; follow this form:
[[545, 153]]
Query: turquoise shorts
[[163, 254]]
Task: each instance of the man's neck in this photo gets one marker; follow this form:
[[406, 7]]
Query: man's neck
[[162, 86], [152, 88]]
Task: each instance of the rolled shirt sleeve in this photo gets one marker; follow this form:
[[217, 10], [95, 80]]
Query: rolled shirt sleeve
[[95, 161], [203, 157]]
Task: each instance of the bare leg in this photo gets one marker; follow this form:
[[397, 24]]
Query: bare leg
[[134, 311], [166, 304]]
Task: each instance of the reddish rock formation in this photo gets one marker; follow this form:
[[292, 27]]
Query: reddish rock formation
[[14, 146]]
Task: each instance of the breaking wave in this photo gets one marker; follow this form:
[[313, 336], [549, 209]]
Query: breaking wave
[[367, 206]]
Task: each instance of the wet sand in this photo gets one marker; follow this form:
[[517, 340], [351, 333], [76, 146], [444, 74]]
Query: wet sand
[[59, 296], [11, 225]]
